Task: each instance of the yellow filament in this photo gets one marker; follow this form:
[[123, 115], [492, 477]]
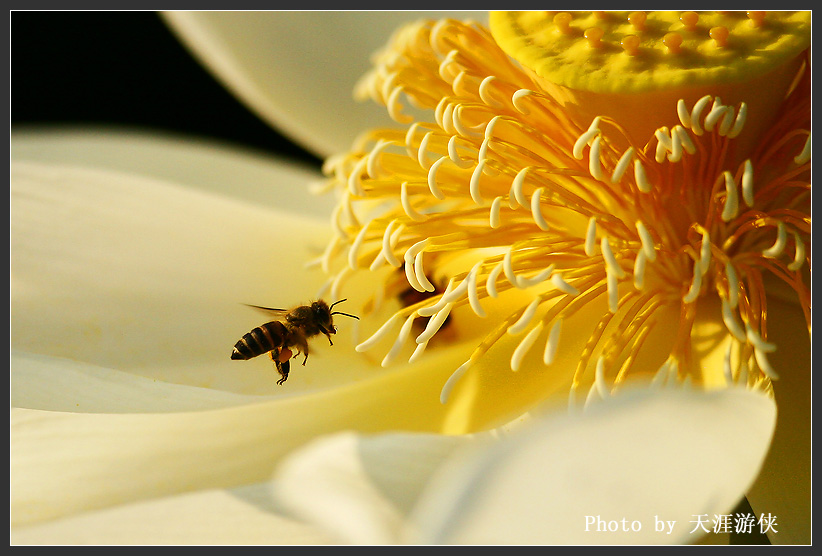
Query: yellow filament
[[505, 194]]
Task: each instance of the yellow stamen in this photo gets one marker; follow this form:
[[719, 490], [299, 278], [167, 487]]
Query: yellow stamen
[[516, 192], [405, 332], [552, 343], [524, 346], [473, 291], [641, 177], [434, 324]]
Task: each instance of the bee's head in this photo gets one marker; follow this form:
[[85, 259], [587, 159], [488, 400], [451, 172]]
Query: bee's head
[[321, 313], [318, 306]]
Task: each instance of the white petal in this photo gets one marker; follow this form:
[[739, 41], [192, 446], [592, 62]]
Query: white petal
[[637, 456], [359, 487], [237, 173], [240, 516], [63, 463], [56, 384], [128, 272], [297, 70]]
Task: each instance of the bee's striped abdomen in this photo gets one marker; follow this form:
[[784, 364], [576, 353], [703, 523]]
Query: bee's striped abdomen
[[262, 339]]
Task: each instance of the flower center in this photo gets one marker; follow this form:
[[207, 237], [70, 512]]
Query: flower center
[[516, 200], [638, 63]]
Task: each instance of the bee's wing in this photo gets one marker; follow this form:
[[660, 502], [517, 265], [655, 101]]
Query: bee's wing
[[270, 310]]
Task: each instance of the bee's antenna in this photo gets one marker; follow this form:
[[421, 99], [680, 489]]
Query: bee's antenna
[[345, 315], [339, 313], [337, 302]]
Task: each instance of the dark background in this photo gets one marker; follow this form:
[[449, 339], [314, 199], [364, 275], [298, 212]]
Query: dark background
[[124, 68]]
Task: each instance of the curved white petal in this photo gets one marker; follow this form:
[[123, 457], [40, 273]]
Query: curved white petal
[[189, 161], [39, 381], [63, 463], [147, 276], [241, 516], [639, 456], [297, 70], [360, 488], [658, 458]]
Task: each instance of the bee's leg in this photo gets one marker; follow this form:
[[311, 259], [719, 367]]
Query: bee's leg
[[283, 369], [282, 366], [303, 348]]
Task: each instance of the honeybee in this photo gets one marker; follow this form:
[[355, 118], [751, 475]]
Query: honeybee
[[292, 330]]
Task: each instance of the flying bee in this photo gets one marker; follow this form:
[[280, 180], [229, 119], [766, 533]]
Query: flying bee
[[292, 329]]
